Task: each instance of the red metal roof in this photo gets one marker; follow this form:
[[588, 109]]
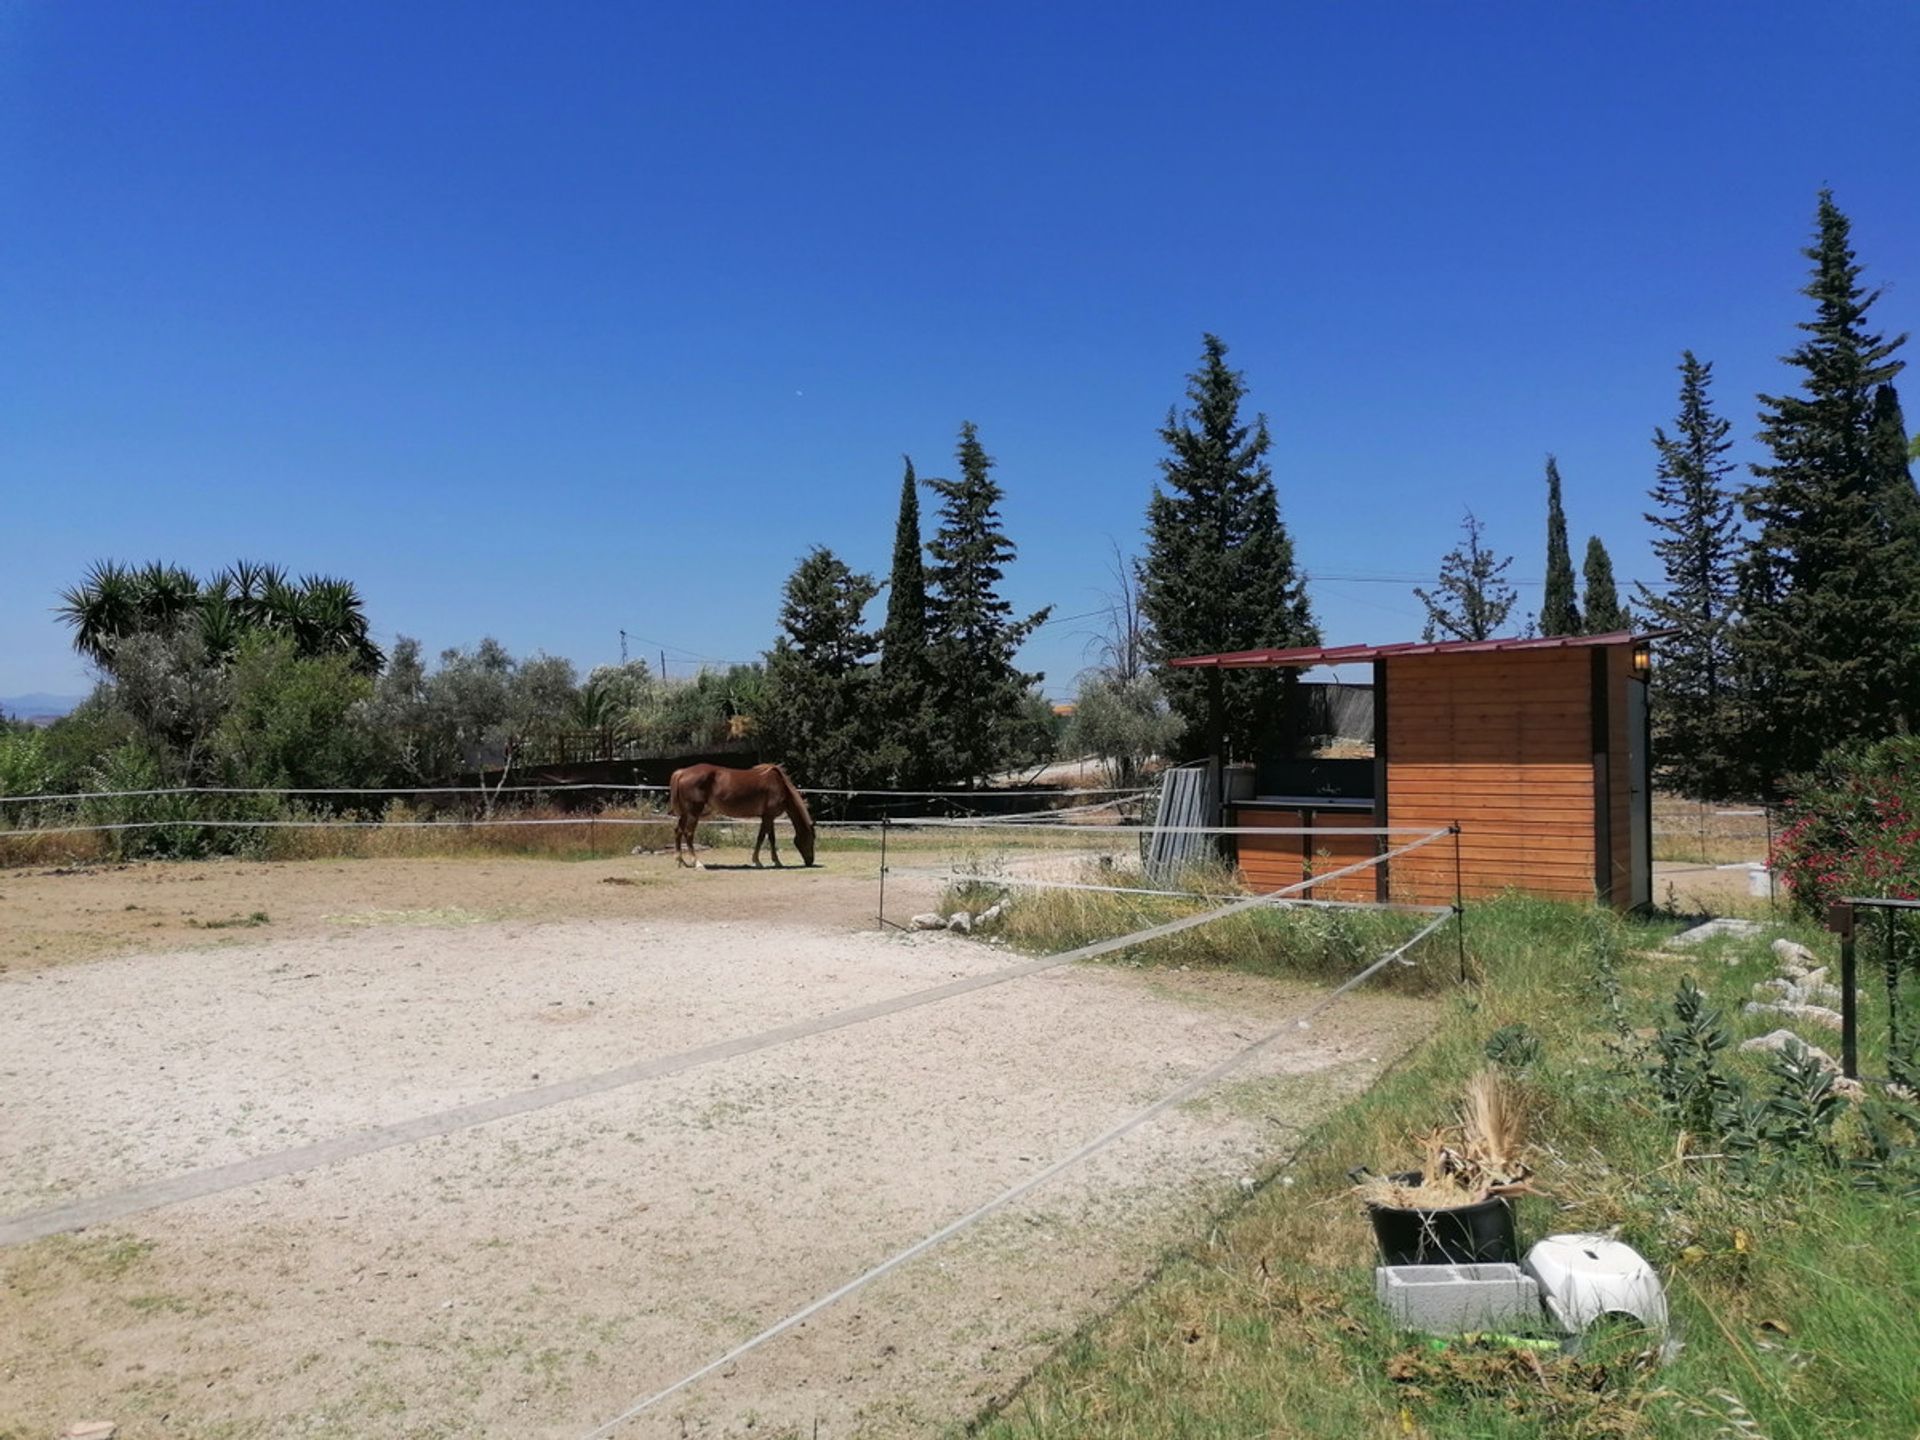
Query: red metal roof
[[1308, 655]]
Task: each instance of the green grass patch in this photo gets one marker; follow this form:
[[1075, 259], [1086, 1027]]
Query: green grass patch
[[1793, 1271], [1277, 942]]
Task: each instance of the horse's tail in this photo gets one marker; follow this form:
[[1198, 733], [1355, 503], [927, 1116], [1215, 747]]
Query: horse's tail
[[676, 785], [796, 806]]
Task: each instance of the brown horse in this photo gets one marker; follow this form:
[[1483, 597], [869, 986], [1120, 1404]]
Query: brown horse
[[764, 792]]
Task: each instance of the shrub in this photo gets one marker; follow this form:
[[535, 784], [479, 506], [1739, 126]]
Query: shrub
[[1854, 826]]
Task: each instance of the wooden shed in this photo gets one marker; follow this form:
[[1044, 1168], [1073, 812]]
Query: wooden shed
[[1536, 748]]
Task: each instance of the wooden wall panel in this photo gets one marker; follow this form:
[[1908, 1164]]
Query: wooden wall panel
[[1502, 744], [1278, 861]]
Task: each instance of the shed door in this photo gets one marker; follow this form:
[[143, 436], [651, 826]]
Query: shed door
[[1639, 858]]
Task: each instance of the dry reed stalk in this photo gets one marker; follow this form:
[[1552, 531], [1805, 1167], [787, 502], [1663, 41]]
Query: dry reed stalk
[[1483, 1156]]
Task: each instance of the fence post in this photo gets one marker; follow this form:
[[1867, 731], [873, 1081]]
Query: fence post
[[1459, 904], [883, 866], [1840, 919]]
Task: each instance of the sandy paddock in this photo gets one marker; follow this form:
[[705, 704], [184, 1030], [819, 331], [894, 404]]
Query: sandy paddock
[[533, 1276]]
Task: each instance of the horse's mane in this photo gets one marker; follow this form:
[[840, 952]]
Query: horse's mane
[[797, 807]]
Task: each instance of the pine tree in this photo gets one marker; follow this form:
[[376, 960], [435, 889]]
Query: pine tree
[[1472, 599], [903, 698], [1698, 546], [979, 696], [1827, 638], [1605, 614], [817, 718], [1219, 573], [1559, 613]]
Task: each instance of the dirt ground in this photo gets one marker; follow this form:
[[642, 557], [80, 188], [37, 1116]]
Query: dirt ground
[[534, 1276]]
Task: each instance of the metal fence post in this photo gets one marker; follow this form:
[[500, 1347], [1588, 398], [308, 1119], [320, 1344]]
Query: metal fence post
[[883, 867], [1840, 919], [1459, 905]]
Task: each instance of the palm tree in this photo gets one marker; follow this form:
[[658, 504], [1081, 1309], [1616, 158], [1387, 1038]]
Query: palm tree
[[103, 609], [167, 594], [320, 615], [221, 627], [331, 619]]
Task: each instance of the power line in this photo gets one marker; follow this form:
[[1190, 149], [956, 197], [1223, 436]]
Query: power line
[[1313, 576]]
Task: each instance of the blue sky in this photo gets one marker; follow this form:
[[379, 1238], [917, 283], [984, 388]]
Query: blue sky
[[545, 321]]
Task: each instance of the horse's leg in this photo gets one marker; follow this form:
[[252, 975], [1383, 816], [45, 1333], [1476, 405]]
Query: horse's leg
[[679, 836], [773, 842], [759, 839]]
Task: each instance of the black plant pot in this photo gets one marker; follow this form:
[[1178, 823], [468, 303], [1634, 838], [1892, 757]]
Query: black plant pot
[[1480, 1234]]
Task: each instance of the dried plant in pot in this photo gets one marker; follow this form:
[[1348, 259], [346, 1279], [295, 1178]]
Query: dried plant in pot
[[1456, 1209]]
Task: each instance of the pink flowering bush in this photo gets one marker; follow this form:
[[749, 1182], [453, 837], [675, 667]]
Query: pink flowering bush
[[1853, 826]]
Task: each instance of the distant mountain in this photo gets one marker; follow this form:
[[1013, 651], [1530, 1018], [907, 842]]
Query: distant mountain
[[38, 707]]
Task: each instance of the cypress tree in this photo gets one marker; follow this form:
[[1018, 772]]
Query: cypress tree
[[1698, 545], [818, 674], [903, 677], [1899, 515], [1472, 599], [1559, 613], [1218, 573], [1605, 613], [1829, 632], [979, 696]]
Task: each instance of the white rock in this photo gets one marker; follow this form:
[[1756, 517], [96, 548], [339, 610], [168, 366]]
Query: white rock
[[1784, 1039], [1803, 994], [1708, 930], [991, 914], [1810, 1014], [927, 921], [90, 1430], [961, 921], [1793, 953]]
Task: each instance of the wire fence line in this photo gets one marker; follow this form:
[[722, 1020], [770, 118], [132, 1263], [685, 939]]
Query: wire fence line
[[1204, 1080], [989, 882], [971, 823], [558, 787]]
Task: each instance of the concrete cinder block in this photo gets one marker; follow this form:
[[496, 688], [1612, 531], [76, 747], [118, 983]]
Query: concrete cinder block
[[1455, 1299]]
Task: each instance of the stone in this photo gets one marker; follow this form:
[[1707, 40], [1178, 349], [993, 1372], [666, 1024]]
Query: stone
[[1792, 954], [1800, 993], [927, 921], [90, 1430], [1809, 1014], [1713, 929], [1457, 1299], [961, 921], [991, 914], [1782, 1039]]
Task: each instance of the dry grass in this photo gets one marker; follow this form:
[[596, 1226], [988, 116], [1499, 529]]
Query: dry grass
[[1703, 833], [398, 832], [1483, 1156]]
